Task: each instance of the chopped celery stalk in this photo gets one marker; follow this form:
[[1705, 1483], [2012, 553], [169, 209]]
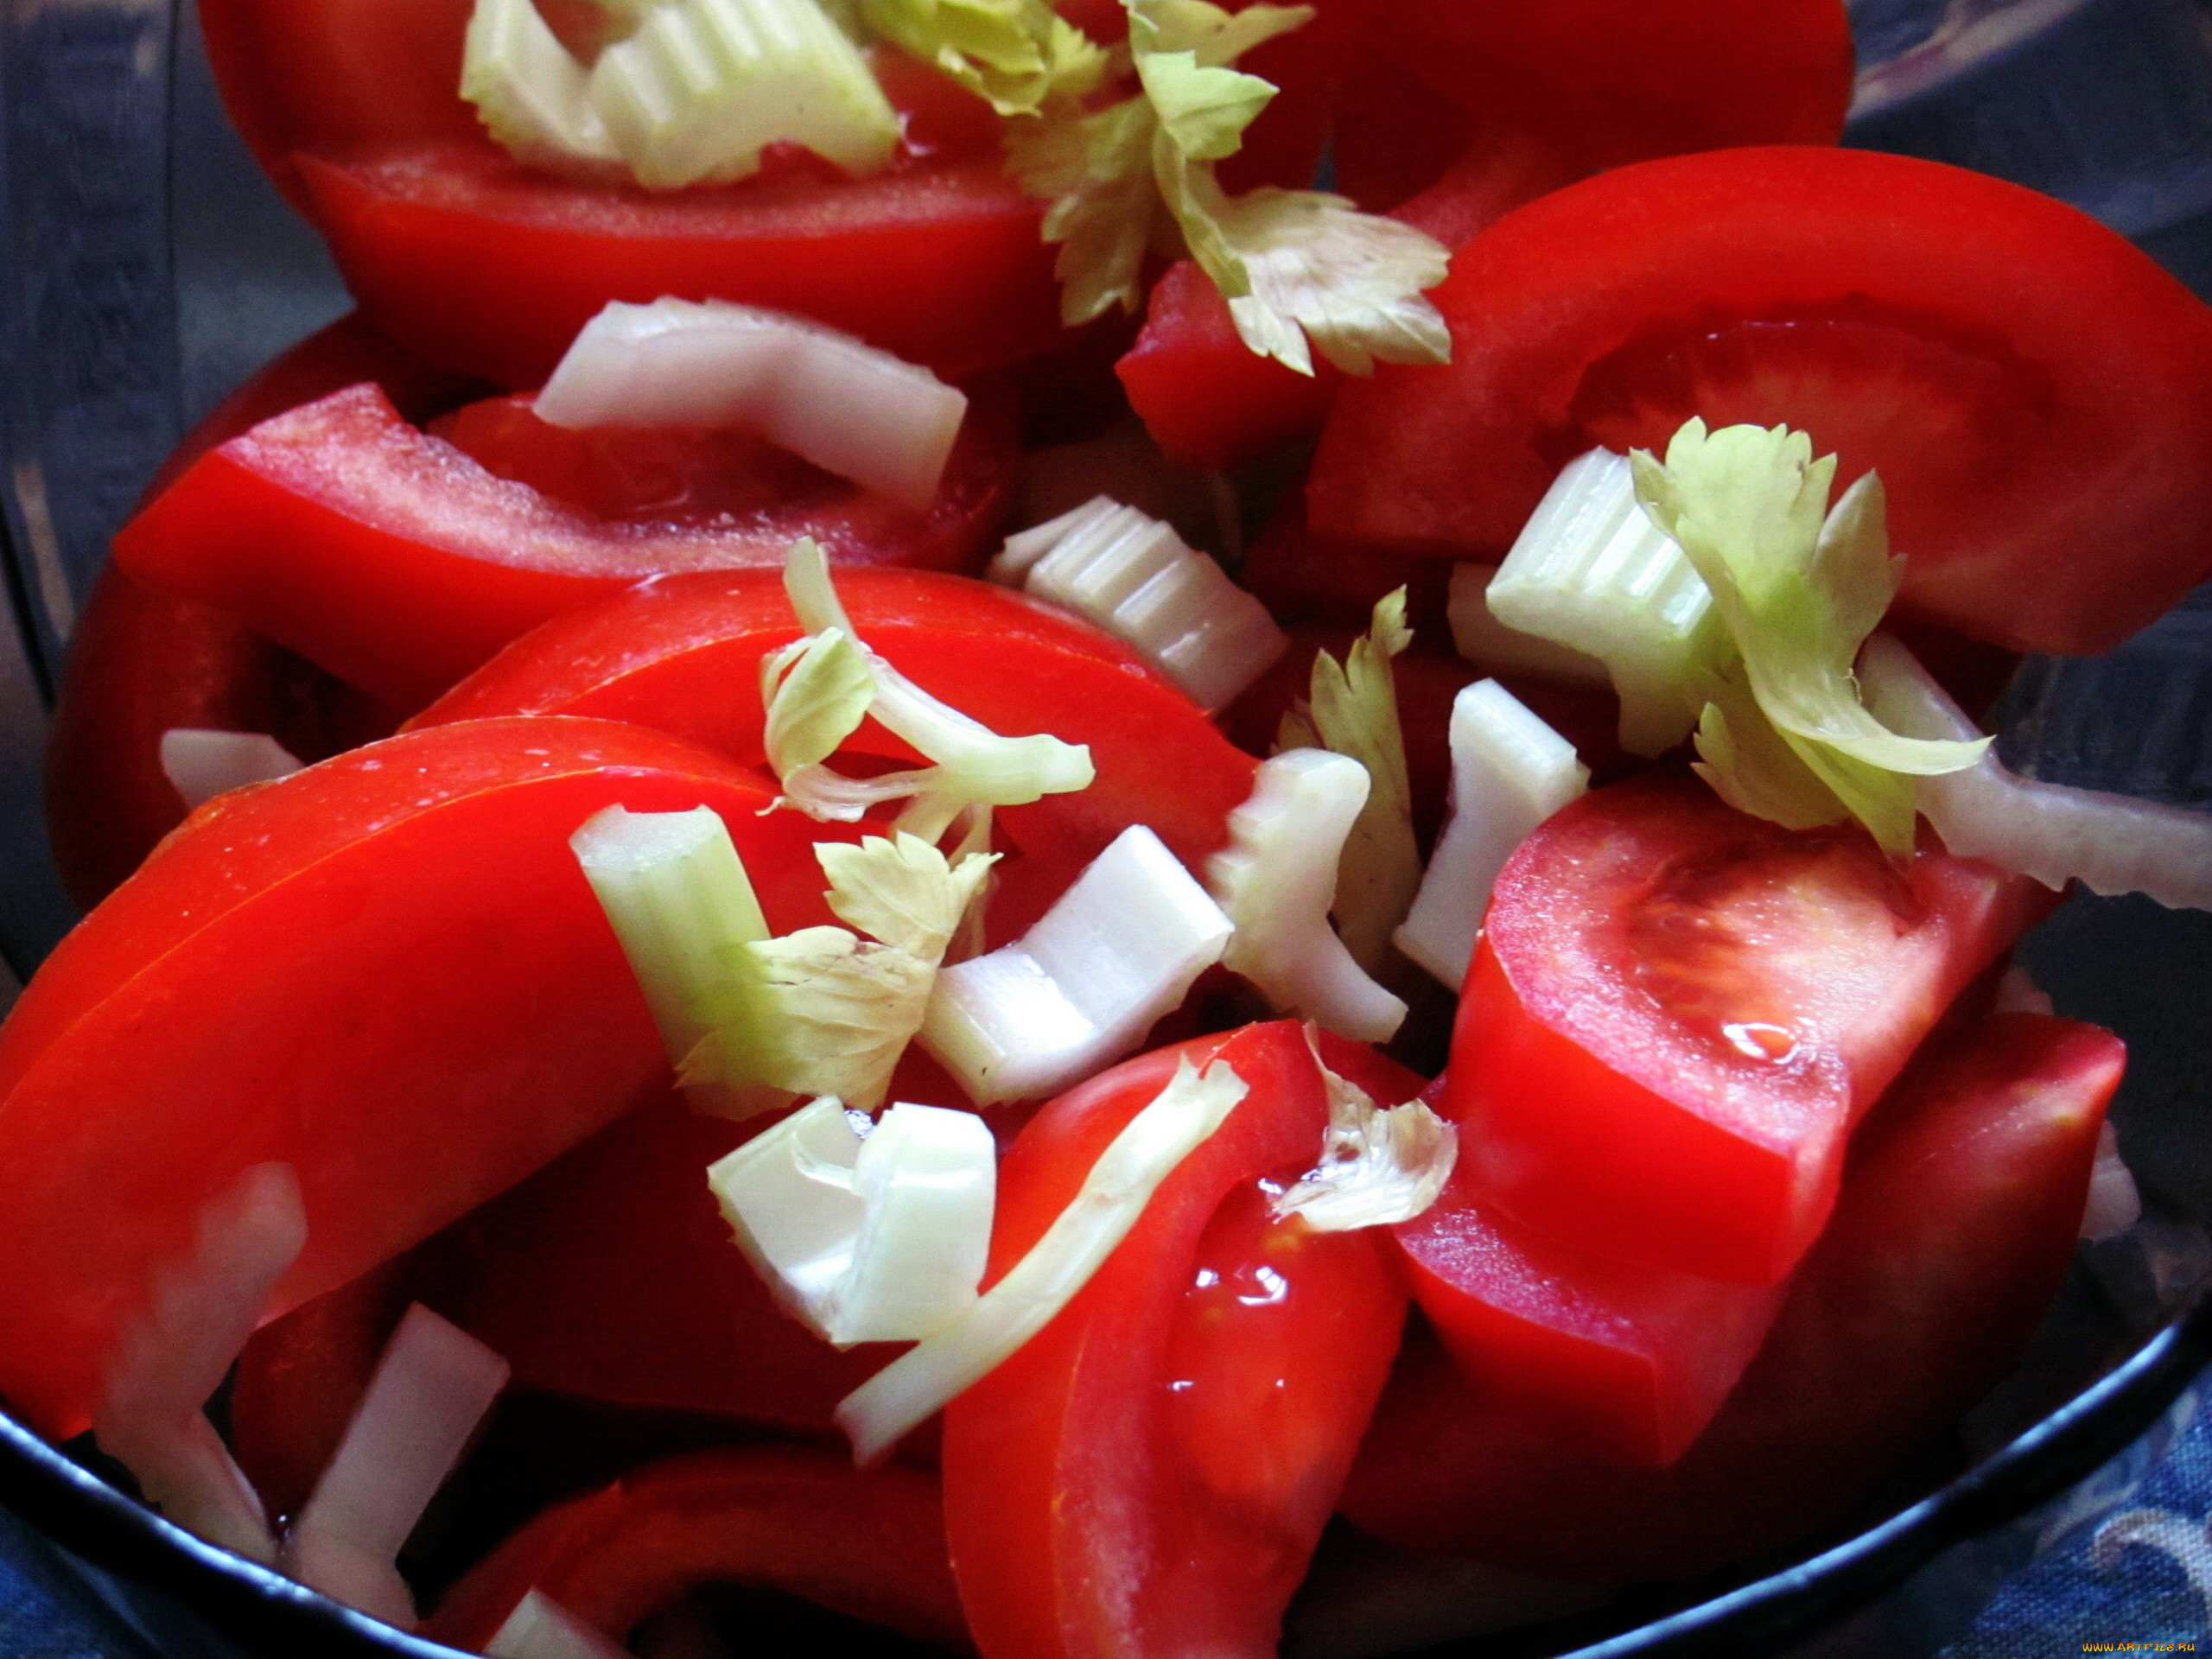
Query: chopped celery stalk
[[1591, 571], [1492, 645], [1016, 55], [201, 765], [1353, 710], [823, 1012], [1116, 951], [532, 96], [1379, 1166], [920, 1383], [1509, 773], [928, 1180], [973, 765], [1135, 577], [828, 398], [1798, 588], [169, 1361], [788, 1195], [679, 900], [541, 1628], [1274, 881], [2110, 843], [702, 87], [432, 1387]]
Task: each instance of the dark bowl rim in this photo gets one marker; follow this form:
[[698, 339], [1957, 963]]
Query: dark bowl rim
[[262, 1611]]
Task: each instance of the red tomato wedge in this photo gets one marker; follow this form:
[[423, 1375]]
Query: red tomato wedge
[[2032, 395], [1957, 1219], [389, 558], [1630, 1362], [143, 660], [1150, 1472], [386, 971], [1678, 1012], [684, 654], [463, 255], [866, 1542]]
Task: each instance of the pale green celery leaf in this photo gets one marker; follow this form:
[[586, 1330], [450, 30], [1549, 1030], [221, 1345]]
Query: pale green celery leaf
[[1017, 54], [1354, 711], [1353, 282], [1798, 588], [1096, 170], [902, 891], [817, 690], [1296, 729], [1204, 111], [1214, 35], [1752, 767]]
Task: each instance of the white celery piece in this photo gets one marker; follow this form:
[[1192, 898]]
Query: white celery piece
[[1591, 571], [828, 398], [1482, 639], [1135, 577], [680, 902], [1276, 878], [921, 1381], [1509, 773], [2056, 834], [2114, 1204], [541, 1628], [1116, 951], [170, 1359], [201, 765], [787, 1194], [879, 1236], [974, 765], [1379, 1166], [532, 96], [432, 1387], [702, 87]]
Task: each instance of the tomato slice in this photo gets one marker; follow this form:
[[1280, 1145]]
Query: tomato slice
[[1151, 1472], [462, 254], [684, 654], [388, 557], [1678, 1012], [866, 1542], [1957, 1219], [2040, 439], [386, 971]]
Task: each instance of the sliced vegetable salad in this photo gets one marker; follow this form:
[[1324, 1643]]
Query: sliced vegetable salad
[[914, 841]]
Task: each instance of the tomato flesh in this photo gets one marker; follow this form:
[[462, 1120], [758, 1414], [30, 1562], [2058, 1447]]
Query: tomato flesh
[[387, 971], [1957, 1218], [1666, 985], [387, 556], [2031, 398], [683, 654], [1150, 1472]]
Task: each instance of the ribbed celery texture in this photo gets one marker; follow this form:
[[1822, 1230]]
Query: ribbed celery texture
[[702, 85], [1593, 572]]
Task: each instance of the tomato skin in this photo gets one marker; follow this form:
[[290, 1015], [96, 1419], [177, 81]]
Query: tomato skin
[[386, 970], [682, 655], [867, 1542], [1957, 1219], [387, 557], [2033, 399], [1665, 983], [1091, 1508], [461, 254]]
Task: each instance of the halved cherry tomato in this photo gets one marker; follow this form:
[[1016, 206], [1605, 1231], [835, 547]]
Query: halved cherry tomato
[[866, 1542], [387, 971], [1150, 1472], [684, 654], [2032, 398], [1957, 1218], [143, 659], [1678, 1012], [390, 558]]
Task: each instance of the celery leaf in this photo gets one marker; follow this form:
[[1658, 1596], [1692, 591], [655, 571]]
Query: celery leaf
[[1016, 55]]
